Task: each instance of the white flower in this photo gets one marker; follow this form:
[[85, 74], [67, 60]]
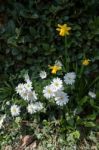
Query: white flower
[[31, 96], [43, 74], [58, 63], [2, 121], [30, 108], [26, 91], [57, 84], [92, 94], [48, 91], [69, 78], [33, 108], [38, 106], [15, 110], [20, 88], [28, 86], [61, 98], [24, 94], [8, 103]]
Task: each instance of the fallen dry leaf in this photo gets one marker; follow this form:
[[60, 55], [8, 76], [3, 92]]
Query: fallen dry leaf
[[8, 147], [26, 140], [93, 148], [33, 145]]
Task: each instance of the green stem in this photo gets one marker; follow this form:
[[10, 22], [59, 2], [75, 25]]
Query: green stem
[[66, 55], [93, 82], [81, 71], [79, 79]]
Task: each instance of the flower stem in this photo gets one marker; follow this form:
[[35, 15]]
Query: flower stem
[[66, 55], [81, 71]]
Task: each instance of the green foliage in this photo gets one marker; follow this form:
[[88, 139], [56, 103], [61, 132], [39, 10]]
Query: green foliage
[[27, 30]]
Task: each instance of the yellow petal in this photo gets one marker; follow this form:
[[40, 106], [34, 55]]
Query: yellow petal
[[59, 25], [58, 29], [54, 71], [69, 28]]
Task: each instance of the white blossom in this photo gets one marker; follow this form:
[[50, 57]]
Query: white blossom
[[69, 78], [48, 91], [28, 86], [32, 96], [20, 88], [8, 103], [92, 94], [57, 84], [61, 98], [33, 108], [15, 110], [26, 91], [43, 74], [29, 95]]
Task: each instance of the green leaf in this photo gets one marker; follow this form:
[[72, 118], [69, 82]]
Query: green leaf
[[89, 124], [91, 117], [84, 100], [12, 40]]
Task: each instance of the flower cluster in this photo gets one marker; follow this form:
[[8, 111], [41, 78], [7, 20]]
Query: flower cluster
[[26, 92], [56, 89]]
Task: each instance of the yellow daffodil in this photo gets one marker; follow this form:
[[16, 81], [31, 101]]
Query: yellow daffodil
[[54, 69], [63, 29], [85, 62]]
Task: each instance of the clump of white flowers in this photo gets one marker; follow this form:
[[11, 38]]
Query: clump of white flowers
[[55, 90], [50, 90], [2, 121], [43, 74], [69, 78], [92, 94], [26, 92]]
